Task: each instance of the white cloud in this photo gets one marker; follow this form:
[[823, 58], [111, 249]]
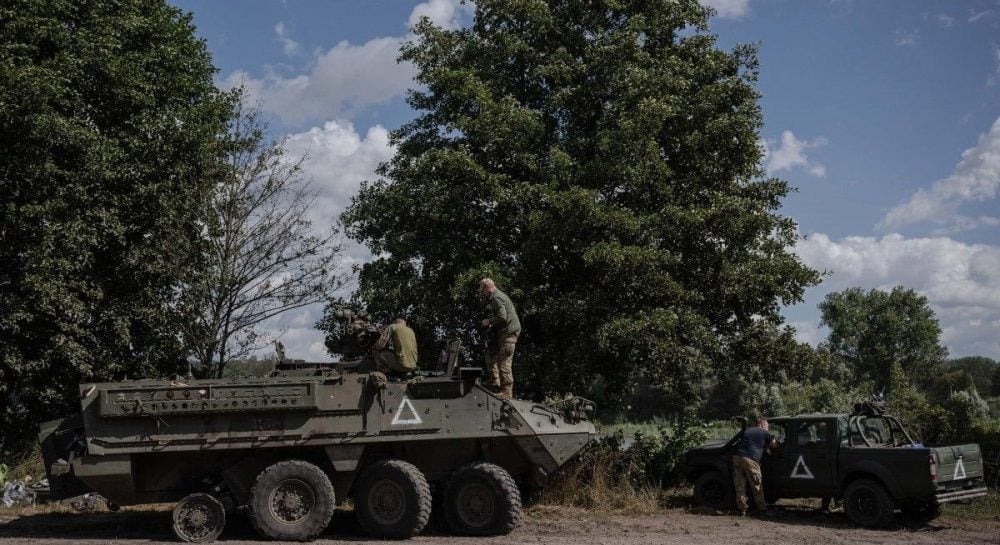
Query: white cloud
[[976, 16], [343, 80], [975, 178], [791, 154], [807, 332], [346, 78], [905, 37], [338, 159], [443, 13], [288, 45], [992, 80], [961, 281], [946, 20], [729, 9]]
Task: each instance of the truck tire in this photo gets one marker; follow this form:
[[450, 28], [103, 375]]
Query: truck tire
[[714, 491], [291, 501], [393, 500], [922, 511], [868, 504], [482, 499]]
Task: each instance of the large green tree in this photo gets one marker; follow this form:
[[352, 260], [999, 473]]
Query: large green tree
[[601, 161], [877, 330], [108, 127]]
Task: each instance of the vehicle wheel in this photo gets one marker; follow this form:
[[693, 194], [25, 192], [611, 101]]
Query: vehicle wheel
[[291, 501], [482, 499], [922, 510], [713, 490], [199, 518], [393, 500], [867, 503]]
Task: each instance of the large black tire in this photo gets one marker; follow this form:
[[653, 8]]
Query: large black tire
[[922, 511], [714, 491], [482, 499], [291, 501], [393, 500], [867, 503]]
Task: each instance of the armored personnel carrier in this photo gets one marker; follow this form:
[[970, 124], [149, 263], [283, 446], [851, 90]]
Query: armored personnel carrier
[[291, 446]]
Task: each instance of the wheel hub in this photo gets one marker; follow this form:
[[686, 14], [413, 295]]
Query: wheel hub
[[198, 518], [476, 504], [387, 502], [291, 501]]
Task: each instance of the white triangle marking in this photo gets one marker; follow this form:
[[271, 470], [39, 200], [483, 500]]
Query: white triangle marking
[[959, 467], [801, 470], [407, 404]]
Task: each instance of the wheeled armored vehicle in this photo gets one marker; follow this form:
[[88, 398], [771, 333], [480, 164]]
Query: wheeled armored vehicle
[[291, 446]]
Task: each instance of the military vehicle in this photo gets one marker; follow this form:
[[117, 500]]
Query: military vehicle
[[866, 458], [291, 446]]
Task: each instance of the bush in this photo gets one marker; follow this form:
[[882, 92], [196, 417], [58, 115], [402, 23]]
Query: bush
[[617, 473]]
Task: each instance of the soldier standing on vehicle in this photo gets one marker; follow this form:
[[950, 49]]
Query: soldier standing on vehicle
[[398, 339], [746, 466], [504, 327]]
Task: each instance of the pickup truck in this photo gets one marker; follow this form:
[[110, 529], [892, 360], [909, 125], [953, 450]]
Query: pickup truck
[[868, 460]]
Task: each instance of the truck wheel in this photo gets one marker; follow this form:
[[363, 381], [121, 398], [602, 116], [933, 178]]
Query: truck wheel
[[867, 503], [922, 510], [713, 490], [199, 518], [393, 500], [482, 499], [291, 501]]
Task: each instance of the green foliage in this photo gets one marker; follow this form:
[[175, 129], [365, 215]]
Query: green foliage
[[108, 124], [601, 162], [981, 371], [615, 472], [875, 330]]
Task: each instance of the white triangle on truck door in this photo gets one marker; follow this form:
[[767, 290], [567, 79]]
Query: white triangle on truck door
[[959, 470], [801, 470], [413, 417]]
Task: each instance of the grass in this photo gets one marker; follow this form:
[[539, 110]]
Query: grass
[[28, 464], [987, 508]]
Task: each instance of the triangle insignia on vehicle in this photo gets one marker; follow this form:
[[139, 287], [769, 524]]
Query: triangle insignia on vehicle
[[406, 406], [959, 470], [801, 470]]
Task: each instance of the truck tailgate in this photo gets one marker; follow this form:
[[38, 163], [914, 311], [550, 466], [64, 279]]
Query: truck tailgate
[[958, 463]]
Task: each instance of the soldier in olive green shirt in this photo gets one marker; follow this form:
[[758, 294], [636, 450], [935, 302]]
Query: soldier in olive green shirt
[[400, 340], [504, 328]]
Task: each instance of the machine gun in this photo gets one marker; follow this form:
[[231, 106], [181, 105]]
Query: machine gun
[[353, 336], [871, 407]]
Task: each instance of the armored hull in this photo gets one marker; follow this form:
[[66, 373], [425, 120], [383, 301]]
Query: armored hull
[[291, 446]]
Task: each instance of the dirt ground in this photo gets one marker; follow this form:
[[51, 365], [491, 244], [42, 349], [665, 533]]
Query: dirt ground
[[792, 525]]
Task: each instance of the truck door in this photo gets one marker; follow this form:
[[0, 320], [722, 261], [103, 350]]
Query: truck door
[[775, 465], [811, 462]]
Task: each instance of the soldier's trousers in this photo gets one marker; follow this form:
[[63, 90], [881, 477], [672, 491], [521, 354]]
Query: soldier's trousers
[[500, 362], [746, 473]]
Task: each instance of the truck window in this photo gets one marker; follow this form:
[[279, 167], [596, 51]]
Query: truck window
[[778, 430], [813, 433]]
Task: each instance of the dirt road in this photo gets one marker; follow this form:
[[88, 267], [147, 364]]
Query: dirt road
[[541, 525]]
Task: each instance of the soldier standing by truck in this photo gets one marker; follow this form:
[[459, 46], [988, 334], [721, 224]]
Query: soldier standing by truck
[[504, 327], [746, 466]]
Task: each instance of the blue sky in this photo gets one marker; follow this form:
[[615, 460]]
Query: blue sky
[[885, 115]]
